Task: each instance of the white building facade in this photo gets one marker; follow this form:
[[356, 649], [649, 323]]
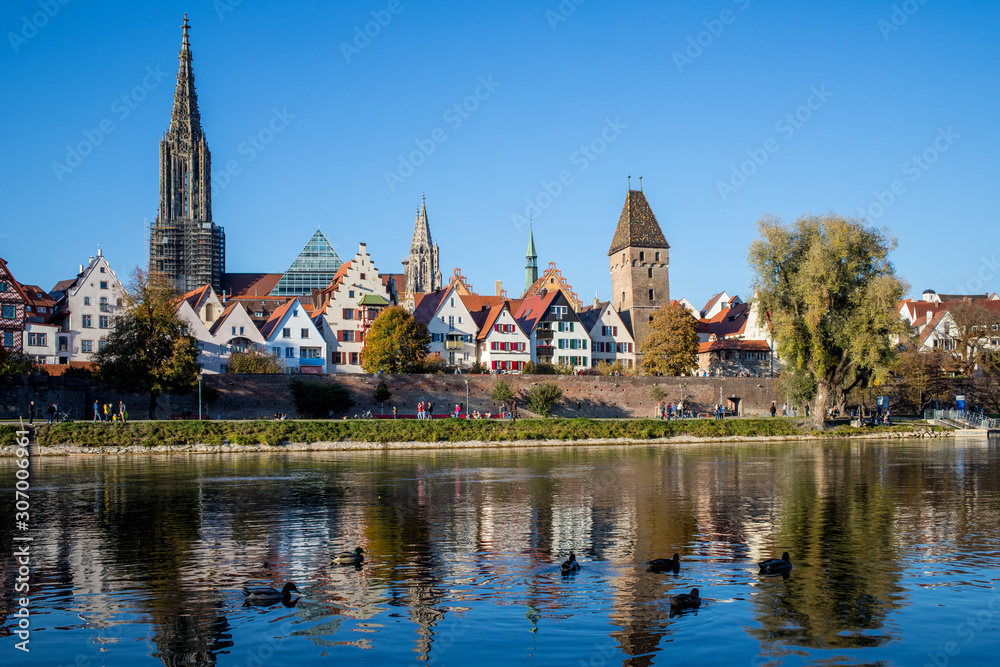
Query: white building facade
[[503, 345], [611, 339], [291, 335], [86, 308]]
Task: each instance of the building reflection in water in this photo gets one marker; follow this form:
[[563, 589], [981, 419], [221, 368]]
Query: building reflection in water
[[171, 540]]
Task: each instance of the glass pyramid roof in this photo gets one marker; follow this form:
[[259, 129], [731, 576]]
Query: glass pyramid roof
[[314, 268]]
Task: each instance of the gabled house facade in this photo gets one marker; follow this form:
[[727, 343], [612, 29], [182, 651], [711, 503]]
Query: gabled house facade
[[557, 336], [734, 339], [450, 324], [346, 308], [86, 307], [291, 335], [611, 339], [503, 347], [13, 309], [219, 330]]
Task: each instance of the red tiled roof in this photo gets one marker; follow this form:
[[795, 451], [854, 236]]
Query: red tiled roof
[[275, 319], [532, 310], [727, 322], [256, 285], [428, 304]]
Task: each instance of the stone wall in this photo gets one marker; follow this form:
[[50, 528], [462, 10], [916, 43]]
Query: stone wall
[[257, 396]]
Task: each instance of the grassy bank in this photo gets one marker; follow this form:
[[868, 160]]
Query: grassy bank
[[408, 430]]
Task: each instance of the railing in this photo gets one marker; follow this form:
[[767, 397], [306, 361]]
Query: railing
[[966, 417], [453, 345]]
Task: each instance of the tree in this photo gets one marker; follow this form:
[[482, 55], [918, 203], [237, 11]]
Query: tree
[[17, 363], [672, 345], [542, 397], [918, 374], [395, 343], [149, 350], [255, 362], [502, 392], [832, 295], [974, 324], [319, 400], [657, 393], [382, 393]]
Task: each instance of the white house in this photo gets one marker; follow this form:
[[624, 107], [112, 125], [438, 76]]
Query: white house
[[291, 335], [449, 321], [85, 309], [346, 308], [556, 333], [612, 341], [503, 347], [40, 341], [219, 329]]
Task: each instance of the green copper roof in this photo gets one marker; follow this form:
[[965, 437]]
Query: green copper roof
[[372, 300], [314, 268], [531, 243], [637, 226]]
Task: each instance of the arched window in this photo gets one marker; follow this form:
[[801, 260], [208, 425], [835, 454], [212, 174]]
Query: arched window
[[657, 257]]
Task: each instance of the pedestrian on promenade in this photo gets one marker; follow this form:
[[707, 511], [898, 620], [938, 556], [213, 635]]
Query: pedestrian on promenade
[[97, 410], [394, 412], [774, 409], [51, 410], [31, 413], [807, 409], [122, 412]]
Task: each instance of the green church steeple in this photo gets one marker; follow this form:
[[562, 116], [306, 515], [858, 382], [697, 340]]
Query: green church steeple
[[530, 262]]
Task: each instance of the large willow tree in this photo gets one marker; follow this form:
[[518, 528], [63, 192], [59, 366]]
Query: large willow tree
[[832, 296]]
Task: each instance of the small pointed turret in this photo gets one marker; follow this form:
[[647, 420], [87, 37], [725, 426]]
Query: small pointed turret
[[530, 262]]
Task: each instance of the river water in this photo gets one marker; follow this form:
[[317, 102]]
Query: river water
[[141, 559]]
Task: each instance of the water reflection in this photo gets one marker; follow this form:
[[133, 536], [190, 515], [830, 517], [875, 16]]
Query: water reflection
[[142, 559]]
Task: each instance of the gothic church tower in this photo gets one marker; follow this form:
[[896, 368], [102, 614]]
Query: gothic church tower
[[639, 261], [421, 270], [185, 245]]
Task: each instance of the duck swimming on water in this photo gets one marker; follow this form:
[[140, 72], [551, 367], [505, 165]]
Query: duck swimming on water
[[665, 564], [570, 565], [268, 595], [686, 600], [350, 557], [781, 565]]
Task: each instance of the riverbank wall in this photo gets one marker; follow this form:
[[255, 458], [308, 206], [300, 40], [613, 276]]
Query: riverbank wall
[[260, 396]]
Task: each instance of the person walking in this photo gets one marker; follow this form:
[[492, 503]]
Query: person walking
[[394, 412], [774, 409], [31, 413], [807, 410], [430, 410], [122, 414], [97, 410], [51, 410]]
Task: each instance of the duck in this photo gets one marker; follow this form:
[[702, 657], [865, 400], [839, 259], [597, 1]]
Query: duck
[[355, 557], [570, 565], [686, 600], [665, 564], [776, 565], [268, 595]]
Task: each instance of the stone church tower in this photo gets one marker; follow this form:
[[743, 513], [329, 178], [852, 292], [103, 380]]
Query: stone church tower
[[421, 270], [185, 245], [639, 261]]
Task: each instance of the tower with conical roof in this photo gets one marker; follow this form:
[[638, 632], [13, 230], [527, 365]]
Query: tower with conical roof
[[185, 245], [639, 262], [421, 269], [530, 262]]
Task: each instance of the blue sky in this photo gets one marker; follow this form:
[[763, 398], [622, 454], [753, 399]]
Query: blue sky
[[729, 109]]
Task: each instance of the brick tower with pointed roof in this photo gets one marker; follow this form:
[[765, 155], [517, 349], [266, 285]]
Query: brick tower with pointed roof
[[639, 262], [421, 269], [185, 245]]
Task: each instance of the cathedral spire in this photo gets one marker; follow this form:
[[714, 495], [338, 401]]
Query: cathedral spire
[[185, 119], [421, 268]]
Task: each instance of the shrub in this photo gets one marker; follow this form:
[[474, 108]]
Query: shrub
[[657, 393], [543, 396], [529, 368], [318, 400], [502, 392], [543, 368]]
